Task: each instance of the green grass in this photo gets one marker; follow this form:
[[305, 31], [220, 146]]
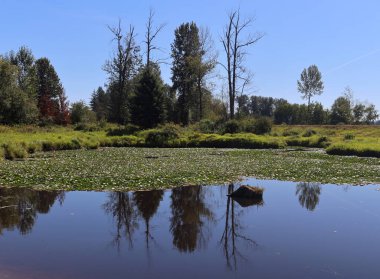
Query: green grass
[[18, 142], [122, 169]]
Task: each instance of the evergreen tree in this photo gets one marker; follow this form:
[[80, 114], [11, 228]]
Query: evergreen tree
[[149, 99], [100, 102], [50, 93]]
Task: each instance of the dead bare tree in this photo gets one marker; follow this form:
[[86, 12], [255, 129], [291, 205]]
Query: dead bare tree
[[150, 35], [235, 51]]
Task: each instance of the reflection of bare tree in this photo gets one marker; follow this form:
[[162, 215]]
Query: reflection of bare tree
[[231, 233], [188, 213], [19, 207], [147, 203], [120, 206], [308, 194]]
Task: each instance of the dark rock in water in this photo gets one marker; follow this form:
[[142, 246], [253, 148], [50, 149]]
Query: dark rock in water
[[248, 192], [244, 202]]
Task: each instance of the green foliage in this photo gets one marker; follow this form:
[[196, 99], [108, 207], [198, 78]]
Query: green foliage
[[356, 149], [309, 133], [149, 99], [186, 49], [128, 129], [349, 137], [15, 151], [310, 83], [162, 137], [341, 111], [207, 126], [100, 102], [232, 127], [263, 125], [81, 113]]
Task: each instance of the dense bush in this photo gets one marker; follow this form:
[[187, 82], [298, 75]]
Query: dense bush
[[361, 150], [263, 125], [161, 137], [15, 151], [232, 127], [309, 133], [206, 126], [128, 129]]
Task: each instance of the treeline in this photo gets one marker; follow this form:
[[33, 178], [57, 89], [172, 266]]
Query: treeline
[[343, 111], [30, 90]]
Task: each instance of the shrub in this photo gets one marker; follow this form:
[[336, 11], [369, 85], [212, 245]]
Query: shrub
[[160, 138], [349, 137], [309, 133], [288, 133], [128, 129], [15, 151], [206, 126], [263, 125], [232, 127], [87, 127]]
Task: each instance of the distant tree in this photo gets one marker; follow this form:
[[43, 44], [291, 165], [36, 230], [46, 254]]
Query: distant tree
[[341, 111], [100, 102], [203, 64], [15, 105], [121, 70], [370, 114], [310, 83], [50, 93], [235, 52], [24, 60], [318, 114], [283, 112], [243, 105], [81, 113], [63, 117], [358, 113], [186, 48], [149, 99]]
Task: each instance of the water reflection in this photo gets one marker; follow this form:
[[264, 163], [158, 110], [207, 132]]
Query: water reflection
[[121, 206], [147, 204], [308, 194], [19, 207], [189, 213], [233, 230]]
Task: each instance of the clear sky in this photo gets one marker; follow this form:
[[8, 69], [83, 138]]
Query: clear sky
[[341, 37]]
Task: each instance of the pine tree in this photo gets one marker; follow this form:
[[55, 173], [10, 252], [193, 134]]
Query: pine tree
[[148, 105]]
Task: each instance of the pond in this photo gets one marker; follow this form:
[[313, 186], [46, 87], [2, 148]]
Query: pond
[[298, 230]]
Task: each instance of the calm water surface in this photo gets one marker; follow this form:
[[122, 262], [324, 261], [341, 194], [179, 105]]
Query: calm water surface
[[297, 231]]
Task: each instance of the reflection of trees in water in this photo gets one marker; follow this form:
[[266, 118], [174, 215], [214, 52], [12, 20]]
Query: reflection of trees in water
[[126, 207], [147, 203], [231, 234], [120, 206], [19, 207], [189, 212], [308, 194]]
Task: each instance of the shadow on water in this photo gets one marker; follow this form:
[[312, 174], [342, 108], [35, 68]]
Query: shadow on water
[[19, 207], [308, 194]]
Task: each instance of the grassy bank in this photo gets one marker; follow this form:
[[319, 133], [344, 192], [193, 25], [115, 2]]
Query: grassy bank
[[20, 142], [151, 168]]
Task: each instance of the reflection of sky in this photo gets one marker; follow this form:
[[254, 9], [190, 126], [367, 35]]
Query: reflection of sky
[[339, 237]]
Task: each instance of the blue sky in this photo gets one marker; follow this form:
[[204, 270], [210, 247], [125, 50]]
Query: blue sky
[[341, 37]]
